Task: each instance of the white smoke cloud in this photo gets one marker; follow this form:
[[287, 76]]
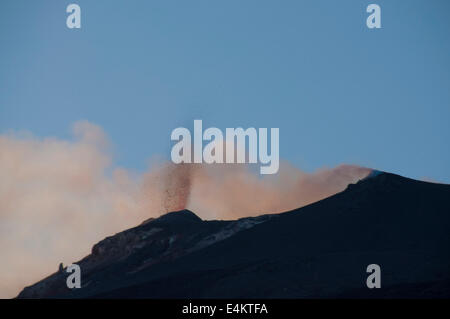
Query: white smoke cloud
[[59, 197]]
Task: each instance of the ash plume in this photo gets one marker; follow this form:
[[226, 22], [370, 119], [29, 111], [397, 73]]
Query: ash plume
[[59, 197]]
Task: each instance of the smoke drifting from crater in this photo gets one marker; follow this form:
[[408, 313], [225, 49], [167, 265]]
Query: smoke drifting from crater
[[59, 197]]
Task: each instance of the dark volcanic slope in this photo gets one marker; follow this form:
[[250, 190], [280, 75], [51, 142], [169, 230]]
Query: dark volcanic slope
[[321, 250]]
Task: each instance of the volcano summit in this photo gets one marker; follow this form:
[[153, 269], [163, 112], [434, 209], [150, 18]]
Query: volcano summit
[[317, 251]]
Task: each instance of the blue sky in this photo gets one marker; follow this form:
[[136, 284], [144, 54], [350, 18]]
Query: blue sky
[[339, 92]]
